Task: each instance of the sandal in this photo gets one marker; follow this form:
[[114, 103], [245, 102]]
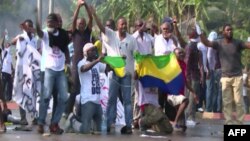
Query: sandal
[[2, 128]]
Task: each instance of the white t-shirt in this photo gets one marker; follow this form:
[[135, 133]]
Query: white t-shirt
[[53, 58], [44, 56], [162, 46], [147, 96], [90, 83], [201, 47], [211, 58], [7, 61], [145, 44], [113, 46], [32, 42]]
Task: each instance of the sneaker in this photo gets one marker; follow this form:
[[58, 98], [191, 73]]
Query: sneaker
[[69, 123], [2, 128], [177, 128], [55, 129], [190, 123], [40, 129], [200, 110], [126, 130], [143, 129]]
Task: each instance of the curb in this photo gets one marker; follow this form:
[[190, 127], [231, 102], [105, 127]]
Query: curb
[[210, 115], [12, 105]]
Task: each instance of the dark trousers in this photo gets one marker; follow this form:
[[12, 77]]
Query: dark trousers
[[75, 91], [7, 86]]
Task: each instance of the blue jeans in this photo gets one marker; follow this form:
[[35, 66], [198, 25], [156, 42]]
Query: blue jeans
[[58, 80], [211, 95], [90, 111], [115, 83]]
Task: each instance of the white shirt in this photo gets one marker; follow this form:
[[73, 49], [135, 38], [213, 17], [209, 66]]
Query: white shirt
[[32, 42], [90, 82], [27, 41], [147, 96], [44, 56], [52, 57], [113, 46], [211, 58], [145, 44], [7, 60], [201, 47], [162, 46]]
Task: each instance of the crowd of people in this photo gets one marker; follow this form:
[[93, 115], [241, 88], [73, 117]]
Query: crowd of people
[[71, 63]]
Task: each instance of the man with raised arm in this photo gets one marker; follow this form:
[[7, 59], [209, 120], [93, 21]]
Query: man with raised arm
[[81, 35], [229, 50], [120, 44], [55, 43]]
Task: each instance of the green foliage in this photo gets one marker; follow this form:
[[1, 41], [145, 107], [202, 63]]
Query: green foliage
[[243, 35]]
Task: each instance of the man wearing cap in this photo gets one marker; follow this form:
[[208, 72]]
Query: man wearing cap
[[89, 69], [124, 45], [88, 101], [55, 41]]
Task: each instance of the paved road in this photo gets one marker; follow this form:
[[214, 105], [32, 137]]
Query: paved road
[[207, 130]]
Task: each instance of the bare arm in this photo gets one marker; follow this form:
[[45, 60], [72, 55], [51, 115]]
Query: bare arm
[[90, 65], [90, 23], [38, 28], [2, 46], [75, 17], [14, 41], [182, 42], [203, 38], [98, 22], [67, 58], [142, 28], [205, 41]]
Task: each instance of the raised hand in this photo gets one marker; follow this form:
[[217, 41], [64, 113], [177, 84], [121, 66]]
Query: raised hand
[[92, 9], [80, 2], [101, 56], [198, 29], [174, 20]]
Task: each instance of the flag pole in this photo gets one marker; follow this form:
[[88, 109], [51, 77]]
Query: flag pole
[[51, 6], [39, 11]]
